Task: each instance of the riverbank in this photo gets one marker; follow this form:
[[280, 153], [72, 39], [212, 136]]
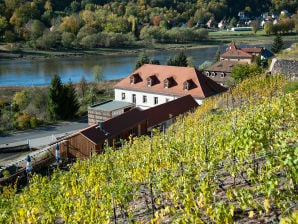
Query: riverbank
[[7, 92], [14, 51]]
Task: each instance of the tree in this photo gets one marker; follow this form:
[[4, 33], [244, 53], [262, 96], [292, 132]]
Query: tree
[[62, 102], [3, 24], [268, 28], [98, 75], [142, 59], [255, 26], [277, 45], [180, 60], [244, 71], [83, 86], [71, 104], [295, 19], [55, 98], [67, 39], [217, 54]]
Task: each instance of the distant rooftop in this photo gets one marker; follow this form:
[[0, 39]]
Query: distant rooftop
[[111, 105]]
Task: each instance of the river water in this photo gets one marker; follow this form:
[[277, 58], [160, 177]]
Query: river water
[[39, 71]]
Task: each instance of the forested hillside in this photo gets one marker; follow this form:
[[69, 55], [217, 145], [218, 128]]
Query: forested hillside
[[233, 164], [91, 23]]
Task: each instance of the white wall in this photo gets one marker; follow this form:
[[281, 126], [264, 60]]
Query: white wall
[[150, 98]]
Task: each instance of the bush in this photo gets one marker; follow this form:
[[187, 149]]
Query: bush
[[6, 173], [33, 122]]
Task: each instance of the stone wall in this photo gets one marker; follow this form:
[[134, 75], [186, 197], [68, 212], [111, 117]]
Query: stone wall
[[288, 67]]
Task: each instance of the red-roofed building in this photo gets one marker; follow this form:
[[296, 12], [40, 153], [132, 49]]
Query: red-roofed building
[[151, 85], [163, 115], [245, 54], [134, 122]]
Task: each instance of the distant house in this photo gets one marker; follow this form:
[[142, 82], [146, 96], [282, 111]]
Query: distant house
[[220, 72], [151, 85], [244, 54], [134, 122]]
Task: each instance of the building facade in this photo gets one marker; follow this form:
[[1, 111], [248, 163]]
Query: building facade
[[152, 85]]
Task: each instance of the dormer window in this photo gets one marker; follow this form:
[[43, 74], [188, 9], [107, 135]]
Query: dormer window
[[222, 75], [135, 78], [186, 85], [207, 74], [213, 74], [149, 81], [166, 84], [132, 80], [152, 80]]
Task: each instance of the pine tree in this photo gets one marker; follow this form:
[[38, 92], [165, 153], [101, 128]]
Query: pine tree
[[143, 59], [55, 98], [217, 54], [180, 60], [71, 104], [277, 45], [63, 101]]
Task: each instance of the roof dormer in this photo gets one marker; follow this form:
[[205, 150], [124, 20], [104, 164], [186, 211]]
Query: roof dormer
[[134, 78], [187, 85], [169, 82], [152, 80]]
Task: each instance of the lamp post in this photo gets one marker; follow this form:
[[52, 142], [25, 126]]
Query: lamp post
[[57, 154], [28, 165]]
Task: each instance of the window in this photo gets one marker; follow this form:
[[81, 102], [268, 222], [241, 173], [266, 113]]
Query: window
[[132, 80], [123, 96], [222, 75], [167, 99], [144, 99], [166, 84], [149, 82], [213, 74], [134, 98], [207, 74], [155, 100], [186, 85]]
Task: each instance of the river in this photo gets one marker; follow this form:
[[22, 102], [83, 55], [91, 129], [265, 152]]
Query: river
[[39, 71]]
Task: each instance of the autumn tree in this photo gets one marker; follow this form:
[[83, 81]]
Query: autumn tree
[[268, 27], [244, 71], [255, 25]]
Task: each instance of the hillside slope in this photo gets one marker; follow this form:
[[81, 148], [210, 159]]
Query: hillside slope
[[237, 164]]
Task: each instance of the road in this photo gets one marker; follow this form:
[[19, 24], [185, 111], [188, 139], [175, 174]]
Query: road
[[38, 138], [50, 131]]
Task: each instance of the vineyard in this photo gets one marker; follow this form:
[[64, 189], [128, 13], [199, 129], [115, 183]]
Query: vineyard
[[234, 160]]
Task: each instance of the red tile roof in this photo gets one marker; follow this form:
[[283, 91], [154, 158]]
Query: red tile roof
[[251, 50], [203, 86], [114, 126], [174, 108], [222, 66], [234, 52]]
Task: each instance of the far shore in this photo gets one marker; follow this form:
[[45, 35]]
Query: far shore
[[25, 53]]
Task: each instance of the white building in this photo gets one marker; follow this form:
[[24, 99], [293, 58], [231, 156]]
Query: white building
[[151, 85]]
